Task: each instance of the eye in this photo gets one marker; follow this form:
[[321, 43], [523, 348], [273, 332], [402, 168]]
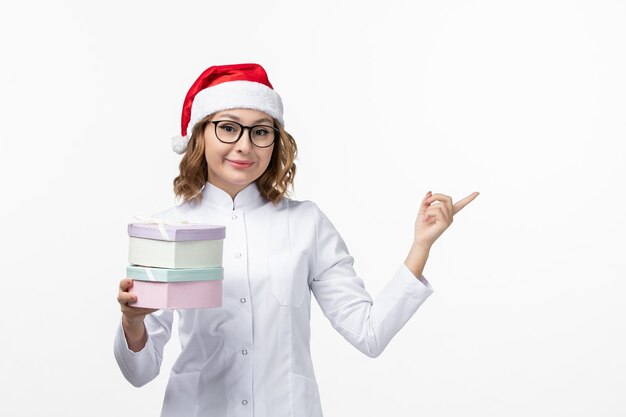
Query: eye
[[227, 128], [261, 131]]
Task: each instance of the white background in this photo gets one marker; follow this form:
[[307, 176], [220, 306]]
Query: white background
[[522, 101]]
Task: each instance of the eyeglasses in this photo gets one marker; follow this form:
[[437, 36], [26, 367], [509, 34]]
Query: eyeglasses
[[261, 136]]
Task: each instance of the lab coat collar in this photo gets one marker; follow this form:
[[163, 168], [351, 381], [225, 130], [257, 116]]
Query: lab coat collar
[[247, 199]]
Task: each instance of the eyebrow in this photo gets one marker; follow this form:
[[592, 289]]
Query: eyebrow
[[232, 116]]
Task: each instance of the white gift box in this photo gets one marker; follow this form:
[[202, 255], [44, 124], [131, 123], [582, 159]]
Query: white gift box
[[175, 245]]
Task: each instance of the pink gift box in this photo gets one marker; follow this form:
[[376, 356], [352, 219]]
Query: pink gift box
[[177, 295]]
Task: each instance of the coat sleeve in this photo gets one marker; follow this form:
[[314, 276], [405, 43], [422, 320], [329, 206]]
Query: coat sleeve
[[141, 367], [368, 324]]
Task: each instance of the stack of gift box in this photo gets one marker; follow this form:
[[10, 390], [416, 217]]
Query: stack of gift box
[[176, 266]]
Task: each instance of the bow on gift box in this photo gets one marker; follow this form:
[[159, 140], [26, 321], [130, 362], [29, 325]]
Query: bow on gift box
[[160, 222]]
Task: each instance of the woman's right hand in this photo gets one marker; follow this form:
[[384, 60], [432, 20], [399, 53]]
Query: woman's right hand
[[132, 317], [125, 298]]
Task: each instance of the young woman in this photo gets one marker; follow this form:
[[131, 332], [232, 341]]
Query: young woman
[[251, 356]]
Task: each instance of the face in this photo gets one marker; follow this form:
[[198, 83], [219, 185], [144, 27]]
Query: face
[[234, 166]]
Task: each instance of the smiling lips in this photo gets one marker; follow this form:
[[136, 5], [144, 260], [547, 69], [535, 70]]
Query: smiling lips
[[240, 164]]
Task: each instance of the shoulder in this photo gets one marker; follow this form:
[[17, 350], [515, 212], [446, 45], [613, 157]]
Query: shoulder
[[299, 208], [305, 213]]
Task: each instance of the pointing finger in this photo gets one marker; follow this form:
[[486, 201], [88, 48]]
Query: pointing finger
[[464, 202]]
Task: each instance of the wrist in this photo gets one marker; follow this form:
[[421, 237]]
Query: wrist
[[422, 246], [132, 325], [135, 333], [416, 259]]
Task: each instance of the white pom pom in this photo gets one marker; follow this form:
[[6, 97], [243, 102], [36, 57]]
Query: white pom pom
[[179, 144]]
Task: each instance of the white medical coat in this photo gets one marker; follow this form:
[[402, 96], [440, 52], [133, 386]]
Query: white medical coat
[[251, 357]]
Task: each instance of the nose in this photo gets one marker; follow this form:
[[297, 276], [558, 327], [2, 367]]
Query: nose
[[244, 144]]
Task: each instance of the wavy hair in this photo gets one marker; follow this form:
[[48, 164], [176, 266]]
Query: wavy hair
[[273, 184]]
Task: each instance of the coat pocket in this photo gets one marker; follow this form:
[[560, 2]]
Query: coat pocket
[[181, 394], [306, 397], [289, 273]]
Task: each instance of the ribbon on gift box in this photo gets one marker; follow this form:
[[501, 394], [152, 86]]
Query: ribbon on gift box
[[160, 223], [150, 275]]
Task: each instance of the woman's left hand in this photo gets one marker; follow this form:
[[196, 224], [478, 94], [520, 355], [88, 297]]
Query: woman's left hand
[[435, 215]]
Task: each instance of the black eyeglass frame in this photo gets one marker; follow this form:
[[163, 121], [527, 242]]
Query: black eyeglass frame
[[243, 128]]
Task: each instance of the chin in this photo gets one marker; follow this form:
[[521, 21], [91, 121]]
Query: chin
[[243, 181]]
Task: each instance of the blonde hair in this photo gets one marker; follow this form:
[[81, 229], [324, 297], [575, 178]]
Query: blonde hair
[[273, 184]]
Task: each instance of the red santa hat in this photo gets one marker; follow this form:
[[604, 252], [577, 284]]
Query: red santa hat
[[224, 87]]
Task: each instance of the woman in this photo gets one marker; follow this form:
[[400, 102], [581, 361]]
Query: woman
[[252, 356]]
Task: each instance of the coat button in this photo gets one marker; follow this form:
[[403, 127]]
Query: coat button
[[238, 256], [242, 300], [244, 352], [244, 402], [234, 217]]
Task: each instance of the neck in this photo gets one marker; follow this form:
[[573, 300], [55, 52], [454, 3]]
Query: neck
[[231, 189]]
